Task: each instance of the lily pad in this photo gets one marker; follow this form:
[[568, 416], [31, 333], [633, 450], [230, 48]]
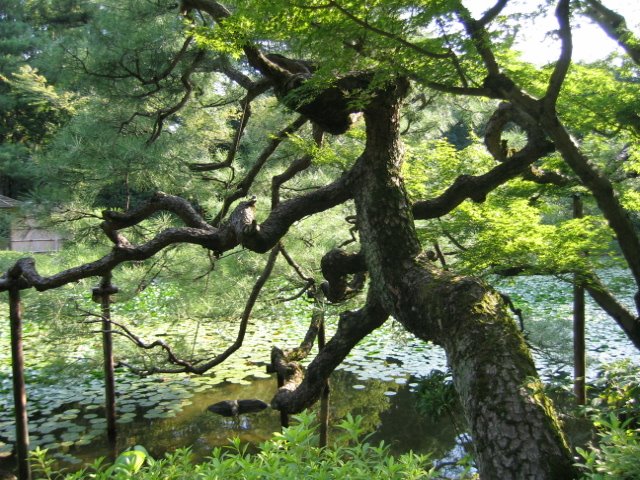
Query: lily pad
[[76, 428], [49, 438], [83, 441], [51, 446], [168, 414], [68, 416], [239, 381], [70, 437], [48, 427]]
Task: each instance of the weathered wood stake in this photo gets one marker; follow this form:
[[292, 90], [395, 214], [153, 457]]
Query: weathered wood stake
[[579, 346], [19, 389], [324, 400], [102, 294]]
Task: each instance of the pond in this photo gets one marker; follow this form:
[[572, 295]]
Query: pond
[[378, 381]]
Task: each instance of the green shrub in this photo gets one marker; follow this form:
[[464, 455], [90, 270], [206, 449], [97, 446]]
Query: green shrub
[[617, 455], [292, 454], [615, 412]]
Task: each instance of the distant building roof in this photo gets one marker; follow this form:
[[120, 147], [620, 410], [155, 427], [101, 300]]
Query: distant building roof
[[6, 202]]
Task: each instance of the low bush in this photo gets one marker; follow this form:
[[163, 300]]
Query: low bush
[[292, 454], [615, 412]]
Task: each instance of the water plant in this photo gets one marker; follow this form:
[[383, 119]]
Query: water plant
[[437, 395]]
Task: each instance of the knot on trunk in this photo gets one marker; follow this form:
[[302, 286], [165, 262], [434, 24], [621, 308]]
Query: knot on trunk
[[336, 265], [330, 107], [506, 114], [241, 224]]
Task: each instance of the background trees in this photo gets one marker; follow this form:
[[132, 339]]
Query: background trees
[[180, 102]]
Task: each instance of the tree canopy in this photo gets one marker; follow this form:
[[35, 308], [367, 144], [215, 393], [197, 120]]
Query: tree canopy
[[433, 149]]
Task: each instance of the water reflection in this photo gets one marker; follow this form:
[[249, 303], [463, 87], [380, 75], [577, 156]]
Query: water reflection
[[164, 414], [388, 410]]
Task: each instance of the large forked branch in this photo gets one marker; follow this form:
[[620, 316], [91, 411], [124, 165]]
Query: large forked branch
[[477, 187], [615, 26], [239, 229]]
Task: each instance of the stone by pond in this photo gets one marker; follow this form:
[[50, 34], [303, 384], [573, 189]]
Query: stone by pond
[[377, 381]]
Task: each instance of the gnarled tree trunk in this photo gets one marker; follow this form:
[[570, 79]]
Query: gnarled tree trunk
[[515, 431]]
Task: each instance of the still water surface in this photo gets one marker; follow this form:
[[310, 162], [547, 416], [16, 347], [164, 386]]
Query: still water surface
[[377, 381]]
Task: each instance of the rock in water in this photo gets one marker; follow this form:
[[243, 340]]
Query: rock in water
[[233, 408], [251, 405]]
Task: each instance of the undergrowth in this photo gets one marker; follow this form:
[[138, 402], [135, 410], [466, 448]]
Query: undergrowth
[[615, 413], [293, 454]]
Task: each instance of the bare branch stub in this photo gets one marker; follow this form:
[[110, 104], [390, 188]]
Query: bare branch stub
[[240, 229]]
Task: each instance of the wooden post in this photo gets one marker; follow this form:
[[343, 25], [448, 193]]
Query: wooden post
[[102, 294], [324, 400], [579, 347], [19, 389]]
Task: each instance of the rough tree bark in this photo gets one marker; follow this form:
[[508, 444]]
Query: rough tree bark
[[515, 430], [516, 433]]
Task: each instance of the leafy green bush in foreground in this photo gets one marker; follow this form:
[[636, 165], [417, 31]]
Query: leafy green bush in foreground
[[615, 412], [292, 454]]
